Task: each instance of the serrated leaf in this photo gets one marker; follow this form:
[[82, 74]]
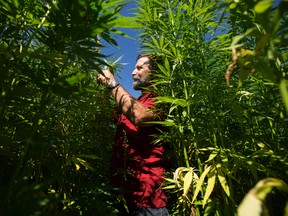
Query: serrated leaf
[[200, 182], [210, 185], [125, 22], [167, 64], [188, 178], [222, 180], [163, 69]]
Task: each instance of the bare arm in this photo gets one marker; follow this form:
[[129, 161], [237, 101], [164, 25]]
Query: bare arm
[[135, 111]]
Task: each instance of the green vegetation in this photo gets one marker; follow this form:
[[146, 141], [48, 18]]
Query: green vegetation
[[223, 81], [226, 134], [56, 122]]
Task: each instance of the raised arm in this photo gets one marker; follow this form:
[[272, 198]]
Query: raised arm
[[135, 111]]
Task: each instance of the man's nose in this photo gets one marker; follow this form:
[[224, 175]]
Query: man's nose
[[134, 72]]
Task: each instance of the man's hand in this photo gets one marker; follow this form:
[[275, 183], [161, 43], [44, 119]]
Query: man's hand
[[106, 77], [134, 110]]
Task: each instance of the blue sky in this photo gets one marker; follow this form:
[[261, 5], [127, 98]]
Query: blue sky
[[129, 49]]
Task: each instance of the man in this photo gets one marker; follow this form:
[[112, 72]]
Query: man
[[137, 163]]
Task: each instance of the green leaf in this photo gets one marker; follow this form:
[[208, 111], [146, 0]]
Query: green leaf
[[243, 74], [224, 157], [172, 100], [237, 38], [212, 155], [5, 5], [15, 3], [263, 6], [284, 92], [125, 22], [262, 41], [75, 79]]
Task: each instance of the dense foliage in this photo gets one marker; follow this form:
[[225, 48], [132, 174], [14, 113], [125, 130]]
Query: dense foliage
[[56, 122], [223, 80], [226, 134]]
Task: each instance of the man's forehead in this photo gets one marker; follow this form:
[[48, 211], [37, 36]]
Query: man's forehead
[[142, 61], [147, 62]]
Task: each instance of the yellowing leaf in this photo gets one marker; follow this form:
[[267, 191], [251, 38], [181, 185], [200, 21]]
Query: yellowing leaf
[[178, 175], [85, 164], [265, 186], [222, 180], [210, 185], [250, 206], [200, 182], [253, 203], [168, 187], [77, 166], [245, 52], [187, 181]]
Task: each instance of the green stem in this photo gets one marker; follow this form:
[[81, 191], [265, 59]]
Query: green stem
[[186, 156], [39, 25]]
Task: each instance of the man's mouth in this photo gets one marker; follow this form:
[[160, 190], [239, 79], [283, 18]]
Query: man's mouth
[[136, 78]]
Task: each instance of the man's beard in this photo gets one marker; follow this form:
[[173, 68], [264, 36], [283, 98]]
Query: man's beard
[[141, 83]]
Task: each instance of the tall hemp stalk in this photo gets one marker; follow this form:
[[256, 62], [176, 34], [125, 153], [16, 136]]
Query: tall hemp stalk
[[223, 137]]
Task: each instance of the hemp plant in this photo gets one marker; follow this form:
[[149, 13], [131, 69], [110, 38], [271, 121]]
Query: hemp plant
[[224, 136]]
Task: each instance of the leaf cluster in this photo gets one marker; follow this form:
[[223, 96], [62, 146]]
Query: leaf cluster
[[231, 135], [56, 122]]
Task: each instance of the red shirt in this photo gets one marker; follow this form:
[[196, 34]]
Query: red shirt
[[137, 164]]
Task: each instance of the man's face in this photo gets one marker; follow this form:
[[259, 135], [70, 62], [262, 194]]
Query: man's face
[[141, 74]]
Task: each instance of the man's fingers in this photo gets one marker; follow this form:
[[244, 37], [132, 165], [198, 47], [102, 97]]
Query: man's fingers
[[102, 78]]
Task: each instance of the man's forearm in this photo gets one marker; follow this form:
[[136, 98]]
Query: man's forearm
[[135, 111]]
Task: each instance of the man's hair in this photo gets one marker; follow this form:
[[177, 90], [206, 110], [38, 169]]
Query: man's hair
[[153, 60]]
